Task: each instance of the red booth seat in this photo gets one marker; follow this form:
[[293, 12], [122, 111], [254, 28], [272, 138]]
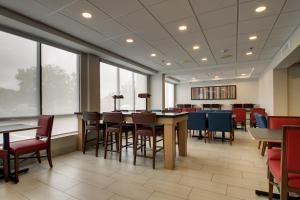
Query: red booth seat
[[277, 122], [2, 153], [274, 154]]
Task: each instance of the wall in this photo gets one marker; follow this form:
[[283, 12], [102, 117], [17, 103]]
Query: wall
[[294, 90], [265, 91], [247, 92], [280, 92], [157, 90]]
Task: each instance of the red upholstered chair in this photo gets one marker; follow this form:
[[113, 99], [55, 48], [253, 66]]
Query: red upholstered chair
[[3, 155], [286, 171], [188, 110], [260, 111], [240, 117], [41, 142]]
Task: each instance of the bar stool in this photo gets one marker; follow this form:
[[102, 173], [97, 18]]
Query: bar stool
[[146, 126], [3, 155], [92, 125], [115, 126]]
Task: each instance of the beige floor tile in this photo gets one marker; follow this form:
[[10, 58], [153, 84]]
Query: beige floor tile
[[239, 182], [163, 196], [7, 193], [175, 189], [118, 197], [199, 194], [85, 191], [46, 193], [203, 184], [241, 193], [130, 190]]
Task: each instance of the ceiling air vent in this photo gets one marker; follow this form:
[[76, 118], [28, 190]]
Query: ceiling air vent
[[226, 56]]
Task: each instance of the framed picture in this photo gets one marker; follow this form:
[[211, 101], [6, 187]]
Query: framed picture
[[213, 92]]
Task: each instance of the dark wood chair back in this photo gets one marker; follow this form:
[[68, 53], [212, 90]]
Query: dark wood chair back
[[91, 118], [144, 118], [113, 117]]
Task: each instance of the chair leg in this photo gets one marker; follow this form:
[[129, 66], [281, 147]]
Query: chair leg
[[38, 156], [283, 191], [259, 144], [245, 126], [126, 137], [231, 137], [97, 142], [154, 153], [263, 149], [105, 144], [135, 148], [271, 180], [120, 146], [84, 142], [49, 157], [149, 140], [5, 168], [16, 162]]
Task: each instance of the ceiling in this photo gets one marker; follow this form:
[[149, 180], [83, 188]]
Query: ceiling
[[220, 27]]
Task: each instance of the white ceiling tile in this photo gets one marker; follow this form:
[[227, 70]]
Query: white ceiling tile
[[203, 6], [288, 19], [74, 28], [56, 5], [74, 11], [268, 53], [151, 2], [282, 33], [111, 29], [243, 39], [171, 10], [256, 25], [190, 22], [291, 5], [221, 32], [247, 10], [29, 8], [116, 8], [218, 18]]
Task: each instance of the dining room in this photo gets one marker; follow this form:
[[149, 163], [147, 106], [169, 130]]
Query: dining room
[[149, 99]]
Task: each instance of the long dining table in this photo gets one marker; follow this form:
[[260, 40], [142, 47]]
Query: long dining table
[[169, 120]]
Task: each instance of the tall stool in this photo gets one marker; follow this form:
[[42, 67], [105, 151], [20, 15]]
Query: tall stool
[[146, 126], [115, 126], [92, 125]]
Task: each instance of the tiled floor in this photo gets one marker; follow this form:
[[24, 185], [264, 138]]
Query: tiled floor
[[213, 171]]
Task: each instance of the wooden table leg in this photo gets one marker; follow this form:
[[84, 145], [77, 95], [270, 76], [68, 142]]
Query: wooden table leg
[[169, 145], [183, 138], [80, 133]]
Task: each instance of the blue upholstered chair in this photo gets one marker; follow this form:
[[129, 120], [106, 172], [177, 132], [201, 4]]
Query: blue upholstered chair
[[261, 121], [197, 121], [222, 122]]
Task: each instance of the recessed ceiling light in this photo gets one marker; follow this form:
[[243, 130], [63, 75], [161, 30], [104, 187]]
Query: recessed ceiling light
[[216, 76], [196, 47], [86, 15], [168, 63], [253, 37], [204, 59], [260, 9], [153, 54], [249, 53], [129, 40], [243, 74], [182, 28]]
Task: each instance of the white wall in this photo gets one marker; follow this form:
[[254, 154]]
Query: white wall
[[247, 92], [157, 87], [265, 91], [294, 90]]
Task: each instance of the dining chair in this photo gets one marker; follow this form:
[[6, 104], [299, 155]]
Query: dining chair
[[146, 126], [42, 141], [240, 117], [286, 170], [261, 122], [222, 122], [92, 126], [260, 111], [197, 122], [3, 156], [115, 126]]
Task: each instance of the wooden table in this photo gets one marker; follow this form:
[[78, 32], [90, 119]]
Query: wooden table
[[266, 134], [169, 120], [6, 130]]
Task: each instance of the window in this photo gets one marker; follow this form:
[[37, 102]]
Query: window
[[19, 89], [21, 85], [59, 81], [108, 85], [169, 95], [127, 90], [114, 80], [140, 85]]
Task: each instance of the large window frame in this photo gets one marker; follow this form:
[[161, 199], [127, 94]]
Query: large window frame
[[39, 42], [133, 82]]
